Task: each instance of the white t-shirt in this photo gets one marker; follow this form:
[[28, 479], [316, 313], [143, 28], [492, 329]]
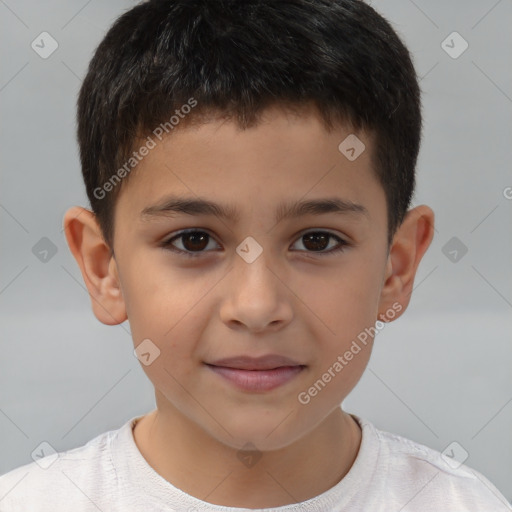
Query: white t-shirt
[[109, 474]]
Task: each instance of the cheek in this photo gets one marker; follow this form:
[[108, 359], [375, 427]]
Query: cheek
[[173, 321], [159, 299], [173, 341], [345, 299]]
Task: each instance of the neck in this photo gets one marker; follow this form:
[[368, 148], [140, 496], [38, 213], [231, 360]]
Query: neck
[[191, 460]]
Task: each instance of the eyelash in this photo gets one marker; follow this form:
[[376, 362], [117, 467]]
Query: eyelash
[[167, 244]]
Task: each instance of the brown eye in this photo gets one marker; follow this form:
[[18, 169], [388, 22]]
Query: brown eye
[[316, 241], [319, 241], [195, 241], [189, 243]]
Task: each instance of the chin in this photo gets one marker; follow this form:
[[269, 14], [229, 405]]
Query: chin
[[266, 434]]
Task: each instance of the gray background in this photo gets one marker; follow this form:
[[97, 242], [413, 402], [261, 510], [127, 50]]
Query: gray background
[[441, 373]]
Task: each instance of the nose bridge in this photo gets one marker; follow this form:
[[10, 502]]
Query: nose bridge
[[252, 268], [255, 296]]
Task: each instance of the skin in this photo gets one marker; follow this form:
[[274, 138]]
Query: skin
[[290, 301]]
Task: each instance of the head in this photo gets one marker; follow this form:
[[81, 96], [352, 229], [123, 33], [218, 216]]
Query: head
[[248, 105]]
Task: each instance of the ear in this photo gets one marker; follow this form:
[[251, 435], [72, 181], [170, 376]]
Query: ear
[[411, 241], [97, 264]]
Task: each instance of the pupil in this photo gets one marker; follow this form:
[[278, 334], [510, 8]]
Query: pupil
[[319, 241], [198, 241]]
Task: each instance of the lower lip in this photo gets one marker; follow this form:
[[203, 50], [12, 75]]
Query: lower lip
[[258, 380]]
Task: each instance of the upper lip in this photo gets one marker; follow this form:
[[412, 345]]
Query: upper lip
[[267, 362]]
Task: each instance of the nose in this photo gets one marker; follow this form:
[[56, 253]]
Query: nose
[[255, 297]]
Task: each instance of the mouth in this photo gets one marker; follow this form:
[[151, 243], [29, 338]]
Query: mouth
[[257, 374], [267, 362]]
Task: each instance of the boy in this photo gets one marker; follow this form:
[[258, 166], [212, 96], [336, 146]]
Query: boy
[[250, 165]]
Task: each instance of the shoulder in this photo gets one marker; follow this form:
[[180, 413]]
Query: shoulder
[[82, 476], [421, 478]]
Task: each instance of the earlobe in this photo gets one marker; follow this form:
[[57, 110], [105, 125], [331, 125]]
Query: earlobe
[[97, 265], [410, 243]]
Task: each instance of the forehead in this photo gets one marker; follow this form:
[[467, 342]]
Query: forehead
[[287, 156]]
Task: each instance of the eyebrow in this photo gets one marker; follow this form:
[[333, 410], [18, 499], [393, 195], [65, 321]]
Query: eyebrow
[[200, 206]]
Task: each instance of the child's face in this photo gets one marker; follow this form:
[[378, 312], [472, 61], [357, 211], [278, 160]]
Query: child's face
[[291, 300]]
